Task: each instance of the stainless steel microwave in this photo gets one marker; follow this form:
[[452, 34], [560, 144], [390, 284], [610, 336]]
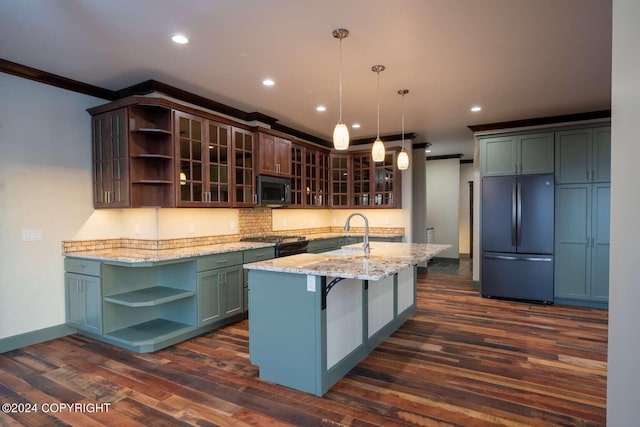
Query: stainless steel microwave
[[273, 191]]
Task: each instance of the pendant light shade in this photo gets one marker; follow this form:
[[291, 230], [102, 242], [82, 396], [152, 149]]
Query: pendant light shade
[[378, 151], [403, 157], [341, 132], [341, 137], [403, 160]]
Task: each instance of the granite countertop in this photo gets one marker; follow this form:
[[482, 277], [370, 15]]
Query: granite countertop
[[349, 262], [329, 235], [139, 256]]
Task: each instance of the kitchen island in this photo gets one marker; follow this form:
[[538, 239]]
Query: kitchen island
[[313, 317]]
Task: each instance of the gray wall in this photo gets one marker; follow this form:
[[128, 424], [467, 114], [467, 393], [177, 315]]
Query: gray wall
[[623, 386]]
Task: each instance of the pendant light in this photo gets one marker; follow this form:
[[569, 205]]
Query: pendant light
[[341, 132], [377, 151], [403, 157]]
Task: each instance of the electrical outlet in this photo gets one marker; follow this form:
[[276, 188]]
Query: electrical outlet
[[31, 235], [232, 226], [137, 229], [192, 228]]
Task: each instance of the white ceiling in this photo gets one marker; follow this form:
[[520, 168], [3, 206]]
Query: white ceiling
[[517, 58]]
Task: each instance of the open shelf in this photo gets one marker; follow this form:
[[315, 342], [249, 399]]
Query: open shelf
[[152, 181], [152, 156], [153, 130], [152, 331], [149, 297]]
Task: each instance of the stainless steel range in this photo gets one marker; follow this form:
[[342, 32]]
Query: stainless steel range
[[284, 245]]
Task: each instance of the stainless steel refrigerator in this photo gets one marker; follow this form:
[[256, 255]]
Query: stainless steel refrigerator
[[517, 237]]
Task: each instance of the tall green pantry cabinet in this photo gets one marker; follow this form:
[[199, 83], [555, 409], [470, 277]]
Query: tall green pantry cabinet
[[582, 216]]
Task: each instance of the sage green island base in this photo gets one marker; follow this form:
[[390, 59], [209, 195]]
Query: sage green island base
[[307, 329]]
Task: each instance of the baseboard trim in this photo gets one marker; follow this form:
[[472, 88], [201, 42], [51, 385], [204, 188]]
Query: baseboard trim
[[34, 337]]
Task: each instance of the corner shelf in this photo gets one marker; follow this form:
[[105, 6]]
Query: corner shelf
[[149, 333], [153, 131], [152, 156], [149, 297]]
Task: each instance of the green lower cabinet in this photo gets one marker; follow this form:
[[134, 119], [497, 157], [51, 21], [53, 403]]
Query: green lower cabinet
[[220, 294], [582, 244], [323, 245], [209, 297], [84, 302]]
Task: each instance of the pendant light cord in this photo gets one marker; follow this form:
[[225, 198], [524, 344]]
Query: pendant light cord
[[341, 79], [378, 89], [403, 121]]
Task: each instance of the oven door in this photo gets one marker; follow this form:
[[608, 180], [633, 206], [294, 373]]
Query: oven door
[[291, 248]]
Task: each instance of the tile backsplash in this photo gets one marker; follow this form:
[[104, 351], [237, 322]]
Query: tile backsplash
[[251, 222]]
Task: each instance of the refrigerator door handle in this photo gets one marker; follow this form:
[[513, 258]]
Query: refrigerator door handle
[[502, 257], [519, 215], [514, 197], [517, 258]]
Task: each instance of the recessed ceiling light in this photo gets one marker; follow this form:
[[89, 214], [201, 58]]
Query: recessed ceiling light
[[476, 108], [356, 125], [268, 82], [321, 108], [180, 39]]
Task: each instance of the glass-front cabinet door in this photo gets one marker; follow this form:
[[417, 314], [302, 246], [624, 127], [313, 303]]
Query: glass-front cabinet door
[[243, 157], [218, 167], [110, 159], [340, 169], [297, 184], [322, 198], [190, 146], [361, 167], [386, 182]]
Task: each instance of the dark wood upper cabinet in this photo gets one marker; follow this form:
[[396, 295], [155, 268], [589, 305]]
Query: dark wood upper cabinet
[[275, 155], [153, 152]]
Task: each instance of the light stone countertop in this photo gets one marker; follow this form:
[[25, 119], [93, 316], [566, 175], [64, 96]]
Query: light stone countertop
[[349, 262], [140, 256]]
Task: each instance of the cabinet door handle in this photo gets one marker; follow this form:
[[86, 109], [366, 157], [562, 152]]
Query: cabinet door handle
[[588, 174], [593, 175]]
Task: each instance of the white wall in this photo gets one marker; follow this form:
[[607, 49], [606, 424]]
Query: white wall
[[443, 193], [45, 184], [464, 211], [419, 196], [623, 385]]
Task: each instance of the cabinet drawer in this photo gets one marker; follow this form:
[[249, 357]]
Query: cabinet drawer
[[226, 259], [82, 266], [254, 255]]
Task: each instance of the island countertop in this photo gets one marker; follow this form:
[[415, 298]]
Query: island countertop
[[349, 262]]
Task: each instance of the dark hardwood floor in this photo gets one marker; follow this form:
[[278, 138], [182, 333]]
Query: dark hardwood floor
[[462, 360]]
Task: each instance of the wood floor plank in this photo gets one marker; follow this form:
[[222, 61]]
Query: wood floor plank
[[462, 360]]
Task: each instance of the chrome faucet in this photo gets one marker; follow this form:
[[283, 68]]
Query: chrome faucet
[[365, 243]]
